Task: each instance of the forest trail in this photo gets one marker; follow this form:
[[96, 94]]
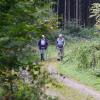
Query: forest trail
[[52, 69]]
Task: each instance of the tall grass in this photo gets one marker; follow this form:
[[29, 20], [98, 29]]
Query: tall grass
[[82, 61]]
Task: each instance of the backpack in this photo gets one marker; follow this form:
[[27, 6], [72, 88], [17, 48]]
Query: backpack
[[43, 42], [60, 42]]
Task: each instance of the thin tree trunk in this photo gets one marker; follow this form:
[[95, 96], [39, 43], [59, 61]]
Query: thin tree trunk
[[89, 12], [68, 11], [76, 12], [65, 13], [80, 13], [58, 11]]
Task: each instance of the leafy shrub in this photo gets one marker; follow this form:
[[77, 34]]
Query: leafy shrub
[[97, 72], [88, 56], [18, 20], [87, 31], [82, 57], [95, 12], [1, 92], [74, 29], [80, 31], [85, 54]]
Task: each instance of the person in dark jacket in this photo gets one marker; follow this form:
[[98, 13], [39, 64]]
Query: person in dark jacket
[[43, 45]]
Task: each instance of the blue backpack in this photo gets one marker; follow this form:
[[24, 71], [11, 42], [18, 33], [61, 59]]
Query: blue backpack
[[60, 42]]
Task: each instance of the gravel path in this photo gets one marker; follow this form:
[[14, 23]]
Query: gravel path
[[71, 83]]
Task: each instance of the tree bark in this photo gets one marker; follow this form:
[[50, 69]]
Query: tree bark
[[58, 11], [76, 12], [65, 13], [80, 13], [68, 11]]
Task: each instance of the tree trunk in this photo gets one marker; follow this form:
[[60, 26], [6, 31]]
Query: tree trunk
[[80, 13], [76, 12], [58, 11], [68, 11], [65, 13]]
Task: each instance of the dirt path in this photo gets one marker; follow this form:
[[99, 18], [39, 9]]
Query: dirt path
[[52, 69], [54, 93]]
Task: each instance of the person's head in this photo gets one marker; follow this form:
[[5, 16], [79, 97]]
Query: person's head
[[60, 36], [43, 36]]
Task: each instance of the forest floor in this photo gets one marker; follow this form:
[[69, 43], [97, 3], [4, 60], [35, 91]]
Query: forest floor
[[71, 90]]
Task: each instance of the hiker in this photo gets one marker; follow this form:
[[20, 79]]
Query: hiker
[[60, 42], [43, 44]]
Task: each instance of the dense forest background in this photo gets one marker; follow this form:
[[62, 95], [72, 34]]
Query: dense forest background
[[75, 10]]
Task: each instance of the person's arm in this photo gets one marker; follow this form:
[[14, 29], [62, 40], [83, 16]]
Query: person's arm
[[56, 42], [47, 43], [64, 41], [39, 43]]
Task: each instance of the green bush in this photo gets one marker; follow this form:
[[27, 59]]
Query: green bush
[[1, 92], [80, 31], [88, 56], [73, 29], [82, 57], [85, 54], [97, 72], [20, 22], [87, 31]]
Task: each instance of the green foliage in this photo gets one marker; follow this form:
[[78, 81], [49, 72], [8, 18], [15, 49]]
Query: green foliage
[[95, 12], [79, 31], [19, 89], [15, 33], [83, 53], [73, 29], [97, 72], [82, 60], [21, 23], [1, 92], [87, 55], [87, 31], [35, 90], [83, 57], [18, 22]]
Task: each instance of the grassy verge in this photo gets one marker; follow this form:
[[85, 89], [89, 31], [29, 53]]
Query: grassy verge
[[67, 92], [83, 76], [70, 67]]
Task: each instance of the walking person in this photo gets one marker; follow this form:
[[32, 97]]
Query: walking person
[[43, 45], [60, 42]]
